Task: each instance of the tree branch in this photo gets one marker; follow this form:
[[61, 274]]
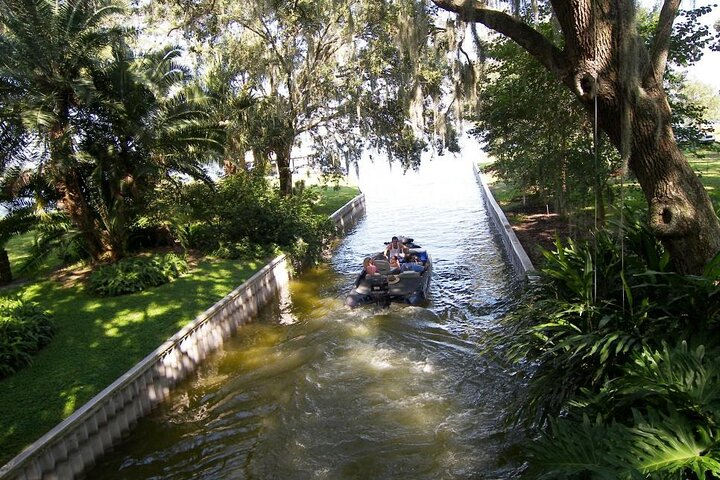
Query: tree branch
[[661, 42], [528, 38]]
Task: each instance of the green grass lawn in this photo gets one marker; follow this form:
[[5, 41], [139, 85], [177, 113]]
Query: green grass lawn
[[708, 169], [334, 197], [98, 339], [19, 252], [706, 164]]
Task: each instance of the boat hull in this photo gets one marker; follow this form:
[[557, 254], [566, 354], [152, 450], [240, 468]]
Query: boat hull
[[390, 286]]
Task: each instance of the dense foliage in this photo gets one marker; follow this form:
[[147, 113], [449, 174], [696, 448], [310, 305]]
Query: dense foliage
[[93, 124], [243, 212], [692, 112], [132, 275], [339, 76], [625, 377], [539, 135], [24, 329]]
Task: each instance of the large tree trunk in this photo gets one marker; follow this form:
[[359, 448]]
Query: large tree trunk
[[282, 157], [5, 270], [74, 204], [680, 211], [606, 66], [69, 182]]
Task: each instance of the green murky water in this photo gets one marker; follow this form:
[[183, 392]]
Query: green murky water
[[315, 390]]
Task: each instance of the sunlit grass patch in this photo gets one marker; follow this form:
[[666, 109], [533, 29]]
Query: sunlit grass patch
[[333, 198], [99, 339], [19, 252], [707, 167]]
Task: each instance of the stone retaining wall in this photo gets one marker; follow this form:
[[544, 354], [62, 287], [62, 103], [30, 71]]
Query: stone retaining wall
[[346, 217], [73, 446], [515, 251]]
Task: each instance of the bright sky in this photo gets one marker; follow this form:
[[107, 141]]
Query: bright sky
[[706, 70]]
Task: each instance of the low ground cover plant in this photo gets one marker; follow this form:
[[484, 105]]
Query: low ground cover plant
[[24, 329], [624, 377], [132, 275]]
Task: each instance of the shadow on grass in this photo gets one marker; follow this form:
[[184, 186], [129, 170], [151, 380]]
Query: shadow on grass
[[96, 341]]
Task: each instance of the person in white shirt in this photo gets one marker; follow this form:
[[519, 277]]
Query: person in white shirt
[[395, 248]]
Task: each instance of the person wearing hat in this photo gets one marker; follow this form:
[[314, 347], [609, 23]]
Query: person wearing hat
[[395, 248]]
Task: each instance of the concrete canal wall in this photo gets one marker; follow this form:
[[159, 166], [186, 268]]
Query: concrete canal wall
[[73, 446], [515, 251], [347, 216]]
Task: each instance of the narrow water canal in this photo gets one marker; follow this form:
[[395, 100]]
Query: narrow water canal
[[319, 391]]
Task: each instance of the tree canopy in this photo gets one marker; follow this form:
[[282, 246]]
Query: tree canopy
[[341, 77], [105, 118], [93, 121], [603, 61]]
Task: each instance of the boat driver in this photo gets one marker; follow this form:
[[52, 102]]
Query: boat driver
[[395, 248]]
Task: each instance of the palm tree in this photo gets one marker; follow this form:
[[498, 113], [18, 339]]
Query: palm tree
[[108, 124], [48, 49], [149, 122]]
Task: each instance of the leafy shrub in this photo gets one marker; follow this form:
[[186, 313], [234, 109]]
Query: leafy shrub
[[243, 210], [24, 329], [244, 250], [620, 382], [203, 236], [135, 274]]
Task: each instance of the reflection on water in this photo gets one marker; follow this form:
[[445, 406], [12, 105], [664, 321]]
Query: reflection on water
[[403, 392]]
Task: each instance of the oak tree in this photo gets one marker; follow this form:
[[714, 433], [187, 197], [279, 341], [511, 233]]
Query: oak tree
[[603, 61]]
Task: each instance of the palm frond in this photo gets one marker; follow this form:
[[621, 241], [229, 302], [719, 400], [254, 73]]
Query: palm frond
[[16, 222], [55, 235]]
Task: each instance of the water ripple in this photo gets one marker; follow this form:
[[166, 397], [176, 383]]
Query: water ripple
[[401, 393]]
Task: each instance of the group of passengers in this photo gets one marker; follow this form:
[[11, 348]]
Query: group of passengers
[[399, 257]]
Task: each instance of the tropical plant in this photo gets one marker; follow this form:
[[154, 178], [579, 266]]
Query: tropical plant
[[150, 124], [245, 209], [23, 197], [659, 420], [14, 223], [114, 122], [132, 275], [24, 329], [48, 51], [624, 377]]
